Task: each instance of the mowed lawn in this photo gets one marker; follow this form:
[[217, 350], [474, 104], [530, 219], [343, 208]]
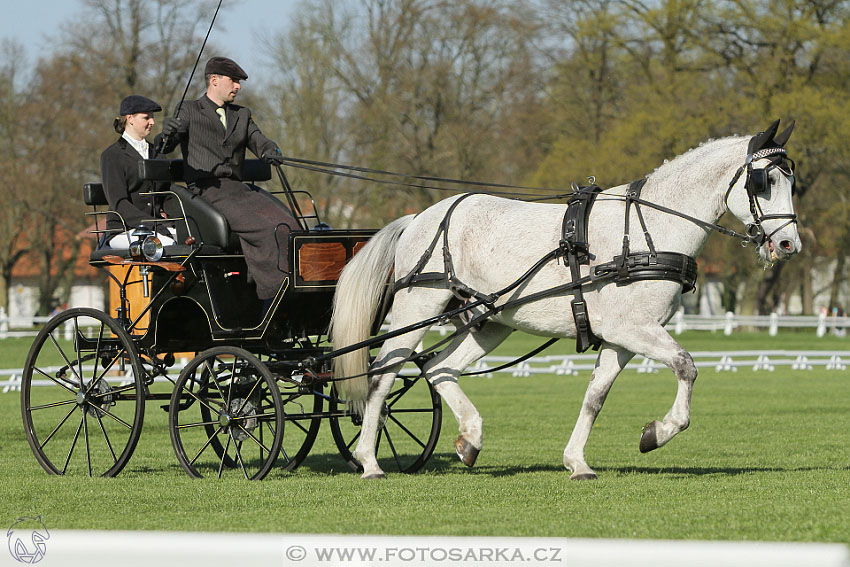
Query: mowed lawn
[[767, 457]]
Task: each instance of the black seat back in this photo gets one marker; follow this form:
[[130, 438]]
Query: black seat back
[[203, 222], [93, 194]]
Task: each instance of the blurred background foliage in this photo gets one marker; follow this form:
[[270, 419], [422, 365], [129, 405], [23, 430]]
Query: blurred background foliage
[[544, 92]]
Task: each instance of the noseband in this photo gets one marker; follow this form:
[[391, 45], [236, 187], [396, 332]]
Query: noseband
[[757, 183]]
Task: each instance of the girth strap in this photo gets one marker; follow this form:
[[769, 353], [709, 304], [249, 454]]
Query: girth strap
[[574, 246]]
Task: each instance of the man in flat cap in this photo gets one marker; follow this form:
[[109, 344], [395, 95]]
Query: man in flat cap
[[213, 134], [119, 170]]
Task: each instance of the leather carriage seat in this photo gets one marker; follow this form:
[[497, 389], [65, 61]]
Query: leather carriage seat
[[206, 224]]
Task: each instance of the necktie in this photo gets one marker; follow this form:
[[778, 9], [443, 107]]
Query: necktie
[[221, 117]]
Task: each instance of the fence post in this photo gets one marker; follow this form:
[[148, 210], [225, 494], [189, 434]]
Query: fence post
[[68, 331], [730, 323], [4, 323], [680, 320], [821, 324], [774, 324]]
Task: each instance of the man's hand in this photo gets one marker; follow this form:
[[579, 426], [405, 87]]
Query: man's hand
[[273, 156], [172, 126]]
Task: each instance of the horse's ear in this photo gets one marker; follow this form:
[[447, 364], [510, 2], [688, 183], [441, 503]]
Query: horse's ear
[[782, 138], [762, 139]]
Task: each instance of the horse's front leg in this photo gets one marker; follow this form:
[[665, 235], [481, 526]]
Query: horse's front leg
[[657, 433], [652, 341], [609, 364]]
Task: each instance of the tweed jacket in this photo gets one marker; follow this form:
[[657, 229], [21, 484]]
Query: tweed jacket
[[119, 170], [210, 151]]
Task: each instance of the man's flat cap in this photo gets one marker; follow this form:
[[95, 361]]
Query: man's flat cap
[[134, 104], [226, 67]]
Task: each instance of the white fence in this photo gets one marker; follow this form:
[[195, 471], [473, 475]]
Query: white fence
[[572, 364], [22, 327]]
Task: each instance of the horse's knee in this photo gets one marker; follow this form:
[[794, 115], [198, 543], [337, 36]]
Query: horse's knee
[[684, 366]]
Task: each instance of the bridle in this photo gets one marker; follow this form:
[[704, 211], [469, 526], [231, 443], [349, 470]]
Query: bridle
[[758, 183]]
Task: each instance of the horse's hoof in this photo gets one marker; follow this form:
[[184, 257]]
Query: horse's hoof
[[372, 476], [583, 476], [649, 439], [467, 453]]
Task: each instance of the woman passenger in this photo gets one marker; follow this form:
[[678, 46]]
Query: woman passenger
[[119, 169]]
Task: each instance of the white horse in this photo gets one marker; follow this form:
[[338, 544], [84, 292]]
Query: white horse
[[493, 241]]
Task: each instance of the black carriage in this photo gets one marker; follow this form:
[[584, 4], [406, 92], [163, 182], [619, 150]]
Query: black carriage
[[245, 402]]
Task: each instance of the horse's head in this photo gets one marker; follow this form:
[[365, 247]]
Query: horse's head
[[760, 195]]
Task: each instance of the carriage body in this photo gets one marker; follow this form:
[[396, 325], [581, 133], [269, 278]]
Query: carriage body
[[246, 388]]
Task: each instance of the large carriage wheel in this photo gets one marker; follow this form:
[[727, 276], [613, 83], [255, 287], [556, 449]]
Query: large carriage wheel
[[229, 422], [411, 419], [302, 415], [82, 395]]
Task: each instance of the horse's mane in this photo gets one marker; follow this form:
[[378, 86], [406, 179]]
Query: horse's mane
[[698, 168]]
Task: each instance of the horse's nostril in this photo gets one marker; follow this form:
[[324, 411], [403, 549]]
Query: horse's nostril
[[787, 246]]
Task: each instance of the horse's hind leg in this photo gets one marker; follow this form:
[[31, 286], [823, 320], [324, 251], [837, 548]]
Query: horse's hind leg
[[609, 364], [443, 371], [416, 305]]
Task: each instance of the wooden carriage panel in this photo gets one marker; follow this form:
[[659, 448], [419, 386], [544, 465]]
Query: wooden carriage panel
[[319, 257], [321, 261]]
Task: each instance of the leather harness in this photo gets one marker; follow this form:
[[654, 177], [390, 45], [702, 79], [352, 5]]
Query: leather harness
[[573, 248]]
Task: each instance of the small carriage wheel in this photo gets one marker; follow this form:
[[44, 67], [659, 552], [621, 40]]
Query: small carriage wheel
[[83, 395], [412, 416], [238, 407]]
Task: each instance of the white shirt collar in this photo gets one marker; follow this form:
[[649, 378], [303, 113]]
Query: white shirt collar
[[140, 146]]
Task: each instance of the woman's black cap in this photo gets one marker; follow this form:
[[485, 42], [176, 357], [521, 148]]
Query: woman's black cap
[[135, 104]]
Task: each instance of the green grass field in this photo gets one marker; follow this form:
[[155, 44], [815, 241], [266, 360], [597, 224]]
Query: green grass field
[[767, 457]]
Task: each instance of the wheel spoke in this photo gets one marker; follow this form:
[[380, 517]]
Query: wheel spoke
[[57, 380], [106, 369], [105, 436], [392, 448], [55, 429], [113, 391], [198, 424], [207, 444], [77, 346], [251, 435], [232, 380], [191, 393], [248, 396], [65, 358], [86, 430], [414, 410], [53, 405], [97, 350], [224, 454], [353, 439], [406, 430], [214, 380], [73, 444], [237, 445], [395, 396], [296, 423], [115, 417]]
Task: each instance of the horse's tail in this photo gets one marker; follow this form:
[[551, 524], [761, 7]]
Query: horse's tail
[[358, 295]]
